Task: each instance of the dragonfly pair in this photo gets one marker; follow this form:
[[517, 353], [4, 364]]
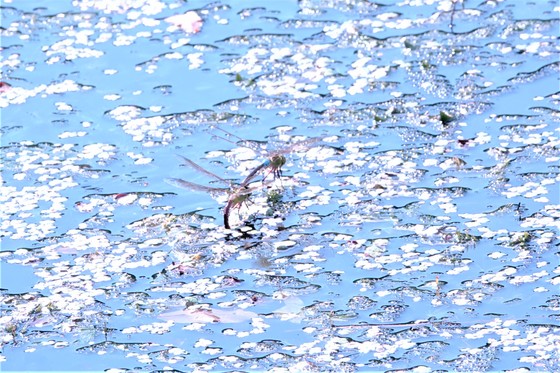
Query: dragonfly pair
[[240, 193]]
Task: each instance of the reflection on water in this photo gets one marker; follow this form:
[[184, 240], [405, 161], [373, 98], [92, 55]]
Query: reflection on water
[[419, 233]]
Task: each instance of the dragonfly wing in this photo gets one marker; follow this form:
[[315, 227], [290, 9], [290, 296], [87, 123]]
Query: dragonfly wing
[[203, 170], [249, 144], [193, 186], [299, 146]]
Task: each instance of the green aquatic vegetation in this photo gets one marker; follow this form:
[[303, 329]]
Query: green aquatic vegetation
[[246, 82], [379, 119], [274, 197], [520, 239], [466, 238], [426, 65], [445, 118], [409, 45], [12, 329]]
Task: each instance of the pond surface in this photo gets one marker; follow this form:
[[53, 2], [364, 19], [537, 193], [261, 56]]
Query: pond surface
[[415, 225]]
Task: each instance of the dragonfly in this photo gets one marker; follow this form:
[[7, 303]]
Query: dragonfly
[[275, 160], [238, 193]]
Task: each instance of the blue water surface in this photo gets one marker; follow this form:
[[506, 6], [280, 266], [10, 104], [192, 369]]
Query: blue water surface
[[415, 225]]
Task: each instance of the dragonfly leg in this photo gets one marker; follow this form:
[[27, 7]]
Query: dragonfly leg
[[276, 173]]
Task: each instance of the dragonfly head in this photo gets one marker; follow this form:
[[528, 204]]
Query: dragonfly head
[[277, 161]]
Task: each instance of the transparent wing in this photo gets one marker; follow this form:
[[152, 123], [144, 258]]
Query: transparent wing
[[249, 144], [196, 187], [257, 145], [203, 170], [299, 146]]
